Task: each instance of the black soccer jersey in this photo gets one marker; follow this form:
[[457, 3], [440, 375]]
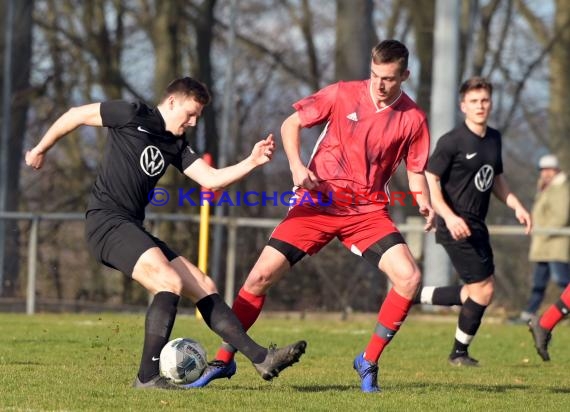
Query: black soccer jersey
[[137, 153], [467, 165]]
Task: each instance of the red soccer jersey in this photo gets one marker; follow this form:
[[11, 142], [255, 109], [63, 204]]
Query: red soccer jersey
[[361, 145]]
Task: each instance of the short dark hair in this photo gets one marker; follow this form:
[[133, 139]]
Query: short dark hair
[[188, 87], [475, 83], [391, 51]]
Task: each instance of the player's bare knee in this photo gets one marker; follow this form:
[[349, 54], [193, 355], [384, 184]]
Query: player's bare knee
[[173, 283], [168, 280], [407, 281], [158, 277], [487, 294], [482, 293], [258, 281], [488, 289], [412, 282]]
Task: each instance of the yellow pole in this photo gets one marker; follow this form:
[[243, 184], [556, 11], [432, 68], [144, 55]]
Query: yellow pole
[[204, 233], [203, 242], [203, 239]]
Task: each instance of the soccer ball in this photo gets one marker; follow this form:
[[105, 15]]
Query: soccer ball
[[182, 360]]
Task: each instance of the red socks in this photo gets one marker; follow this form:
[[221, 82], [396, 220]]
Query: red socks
[[556, 312], [390, 317], [392, 314]]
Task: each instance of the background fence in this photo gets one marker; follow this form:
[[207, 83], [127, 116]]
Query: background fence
[[82, 277]]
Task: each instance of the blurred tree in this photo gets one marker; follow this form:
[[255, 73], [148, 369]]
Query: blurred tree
[[81, 48], [352, 47], [21, 94], [422, 19], [285, 49], [555, 38], [205, 26], [559, 110], [304, 20], [100, 39]]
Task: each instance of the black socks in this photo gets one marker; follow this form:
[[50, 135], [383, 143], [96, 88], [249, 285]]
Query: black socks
[[442, 296], [469, 321], [220, 318], [158, 325]]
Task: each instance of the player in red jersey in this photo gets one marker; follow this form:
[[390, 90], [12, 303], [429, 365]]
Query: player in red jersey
[[370, 126]]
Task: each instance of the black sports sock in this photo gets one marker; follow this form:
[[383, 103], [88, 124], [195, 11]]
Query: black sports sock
[[467, 325], [220, 318], [158, 325], [442, 296], [447, 295]]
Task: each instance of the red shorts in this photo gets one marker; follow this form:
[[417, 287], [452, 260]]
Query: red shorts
[[309, 229]]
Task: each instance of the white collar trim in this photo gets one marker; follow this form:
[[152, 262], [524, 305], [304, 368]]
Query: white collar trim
[[380, 109]]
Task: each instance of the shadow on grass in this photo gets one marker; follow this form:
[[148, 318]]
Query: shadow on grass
[[324, 388], [446, 386], [558, 390], [26, 363], [269, 387], [435, 387], [431, 386]]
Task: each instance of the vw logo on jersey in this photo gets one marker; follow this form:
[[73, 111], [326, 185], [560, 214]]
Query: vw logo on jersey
[[152, 161], [484, 178]]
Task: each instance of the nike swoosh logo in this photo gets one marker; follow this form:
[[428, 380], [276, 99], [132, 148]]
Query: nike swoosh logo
[[140, 129], [470, 155], [155, 359]]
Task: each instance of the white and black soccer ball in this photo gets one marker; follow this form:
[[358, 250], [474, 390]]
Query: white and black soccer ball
[[182, 360]]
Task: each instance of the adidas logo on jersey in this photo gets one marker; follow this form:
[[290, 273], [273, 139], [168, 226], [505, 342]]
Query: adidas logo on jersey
[[352, 117]]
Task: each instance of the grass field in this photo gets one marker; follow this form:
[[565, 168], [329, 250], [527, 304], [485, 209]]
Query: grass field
[[87, 362]]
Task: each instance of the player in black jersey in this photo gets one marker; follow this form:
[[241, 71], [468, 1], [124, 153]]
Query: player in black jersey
[[463, 171], [142, 142]]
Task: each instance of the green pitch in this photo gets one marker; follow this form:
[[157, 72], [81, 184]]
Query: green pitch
[[87, 363]]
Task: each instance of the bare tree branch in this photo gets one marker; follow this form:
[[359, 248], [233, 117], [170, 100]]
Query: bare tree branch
[[305, 23], [394, 20], [487, 14], [255, 47], [537, 129], [516, 95], [538, 27], [502, 38]]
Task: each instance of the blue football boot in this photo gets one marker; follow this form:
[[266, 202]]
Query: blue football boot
[[215, 370], [368, 373]]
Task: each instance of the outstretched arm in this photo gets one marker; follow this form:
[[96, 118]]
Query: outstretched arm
[[88, 115], [216, 179], [502, 192]]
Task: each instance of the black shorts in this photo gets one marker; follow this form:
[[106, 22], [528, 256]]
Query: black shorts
[[472, 258], [118, 241]]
